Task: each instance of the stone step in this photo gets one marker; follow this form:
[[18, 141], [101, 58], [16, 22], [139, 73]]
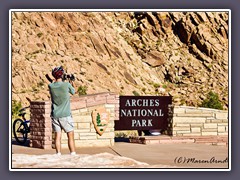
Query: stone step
[[164, 139]]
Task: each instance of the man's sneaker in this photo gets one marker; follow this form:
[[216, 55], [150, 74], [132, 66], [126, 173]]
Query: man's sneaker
[[73, 153]]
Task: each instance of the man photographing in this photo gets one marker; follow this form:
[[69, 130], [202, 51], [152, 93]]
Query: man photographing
[[61, 112]]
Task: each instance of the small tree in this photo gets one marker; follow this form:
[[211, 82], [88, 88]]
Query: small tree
[[212, 101], [82, 90]]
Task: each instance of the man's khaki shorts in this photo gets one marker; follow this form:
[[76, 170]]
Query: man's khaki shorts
[[65, 123]]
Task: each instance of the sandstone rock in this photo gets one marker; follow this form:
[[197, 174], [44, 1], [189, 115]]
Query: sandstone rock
[[122, 52], [154, 58], [129, 78]]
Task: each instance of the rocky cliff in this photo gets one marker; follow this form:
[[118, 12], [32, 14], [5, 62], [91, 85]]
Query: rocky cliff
[[183, 54]]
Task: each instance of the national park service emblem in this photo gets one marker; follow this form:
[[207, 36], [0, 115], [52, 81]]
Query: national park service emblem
[[100, 118]]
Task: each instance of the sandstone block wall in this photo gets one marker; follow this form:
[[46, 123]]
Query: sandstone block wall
[[85, 133], [186, 122], [192, 121], [82, 107], [192, 125]]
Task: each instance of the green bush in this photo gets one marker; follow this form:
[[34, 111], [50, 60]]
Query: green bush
[[212, 101], [16, 106], [156, 85], [164, 86], [135, 93], [121, 135], [39, 34], [126, 133], [82, 90]]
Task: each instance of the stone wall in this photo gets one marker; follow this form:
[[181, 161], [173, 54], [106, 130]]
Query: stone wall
[[188, 124], [192, 125], [192, 121], [84, 133]]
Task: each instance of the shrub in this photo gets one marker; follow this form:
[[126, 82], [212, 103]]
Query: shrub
[[156, 85], [212, 101], [136, 93], [39, 34], [35, 89], [16, 106], [120, 135], [82, 90], [164, 86], [40, 84], [125, 134]]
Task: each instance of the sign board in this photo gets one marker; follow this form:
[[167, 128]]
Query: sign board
[[143, 112], [100, 118]]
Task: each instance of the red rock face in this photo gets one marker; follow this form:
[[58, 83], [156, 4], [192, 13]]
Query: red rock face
[[186, 53]]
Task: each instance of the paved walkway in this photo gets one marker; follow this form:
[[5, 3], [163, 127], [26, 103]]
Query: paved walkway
[[189, 155]]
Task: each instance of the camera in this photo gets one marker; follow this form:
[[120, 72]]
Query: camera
[[69, 77]]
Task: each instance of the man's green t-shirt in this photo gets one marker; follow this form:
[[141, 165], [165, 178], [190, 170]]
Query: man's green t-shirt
[[61, 98]]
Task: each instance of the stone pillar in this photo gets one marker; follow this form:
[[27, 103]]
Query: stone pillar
[[40, 125]]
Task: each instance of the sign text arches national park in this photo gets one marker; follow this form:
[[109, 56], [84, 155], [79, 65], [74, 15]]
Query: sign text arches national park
[[143, 112]]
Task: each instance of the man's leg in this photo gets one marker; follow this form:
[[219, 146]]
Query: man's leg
[[58, 141], [71, 143]]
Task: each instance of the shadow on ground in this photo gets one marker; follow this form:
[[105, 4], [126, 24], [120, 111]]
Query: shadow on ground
[[121, 139], [27, 143]]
